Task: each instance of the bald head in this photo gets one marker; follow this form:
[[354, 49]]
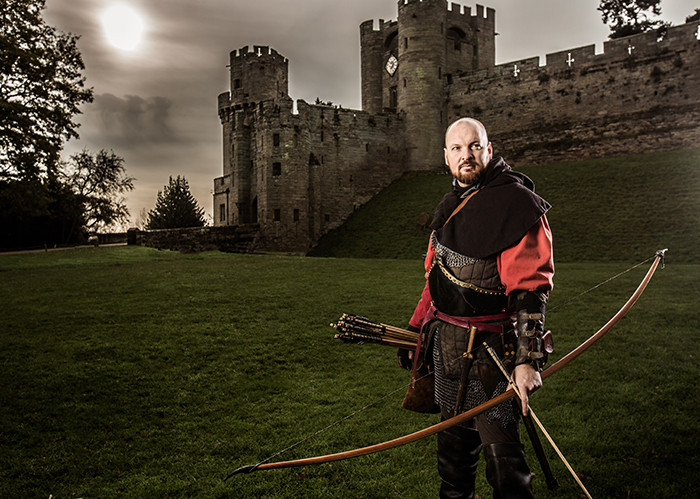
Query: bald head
[[476, 124], [467, 150]]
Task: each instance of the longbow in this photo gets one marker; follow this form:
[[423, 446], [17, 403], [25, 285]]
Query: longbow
[[465, 416]]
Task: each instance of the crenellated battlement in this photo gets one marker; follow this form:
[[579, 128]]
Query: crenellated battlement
[[403, 3], [260, 53], [457, 13], [628, 49], [368, 28]]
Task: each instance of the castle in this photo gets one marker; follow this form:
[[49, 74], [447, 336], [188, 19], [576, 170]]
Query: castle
[[299, 175]]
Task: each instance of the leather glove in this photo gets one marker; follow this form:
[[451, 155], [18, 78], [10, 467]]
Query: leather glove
[[404, 357]]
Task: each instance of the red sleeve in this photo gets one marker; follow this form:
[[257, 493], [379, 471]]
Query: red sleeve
[[424, 303], [529, 265], [421, 308]]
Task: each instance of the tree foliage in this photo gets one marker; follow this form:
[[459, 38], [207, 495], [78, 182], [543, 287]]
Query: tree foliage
[[629, 17], [693, 17], [99, 182], [175, 207], [41, 87], [84, 195]]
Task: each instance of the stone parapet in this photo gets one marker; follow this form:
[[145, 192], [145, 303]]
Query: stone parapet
[[232, 239]]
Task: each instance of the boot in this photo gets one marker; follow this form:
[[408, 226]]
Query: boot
[[458, 458], [507, 471]]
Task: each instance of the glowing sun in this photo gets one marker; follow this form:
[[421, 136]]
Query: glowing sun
[[123, 26]]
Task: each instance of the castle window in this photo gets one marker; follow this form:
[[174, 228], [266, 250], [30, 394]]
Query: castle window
[[276, 169], [404, 83], [236, 83], [327, 218], [296, 214], [405, 43], [393, 98], [276, 139], [439, 73], [222, 213], [367, 147], [277, 214], [321, 135]]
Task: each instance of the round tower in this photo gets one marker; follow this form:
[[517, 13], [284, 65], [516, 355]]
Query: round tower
[[260, 75], [421, 65]]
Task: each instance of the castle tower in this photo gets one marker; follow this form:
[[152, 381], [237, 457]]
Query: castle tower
[[256, 77], [379, 54], [406, 66], [422, 59]]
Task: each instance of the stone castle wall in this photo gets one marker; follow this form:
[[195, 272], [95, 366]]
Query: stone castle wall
[[296, 176], [331, 161], [641, 94]]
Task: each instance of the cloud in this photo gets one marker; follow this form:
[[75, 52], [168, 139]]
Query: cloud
[[131, 121]]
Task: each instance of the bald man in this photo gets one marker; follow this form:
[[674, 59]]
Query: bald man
[[489, 271]]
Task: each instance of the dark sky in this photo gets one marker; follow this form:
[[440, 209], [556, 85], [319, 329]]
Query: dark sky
[[155, 105]]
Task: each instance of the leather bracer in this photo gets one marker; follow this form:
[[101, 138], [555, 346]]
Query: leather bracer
[[533, 344]]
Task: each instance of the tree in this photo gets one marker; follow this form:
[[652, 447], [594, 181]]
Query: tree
[[98, 182], [693, 17], [175, 207], [41, 87], [629, 17], [84, 195]]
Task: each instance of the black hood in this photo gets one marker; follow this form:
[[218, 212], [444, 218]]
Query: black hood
[[496, 217]]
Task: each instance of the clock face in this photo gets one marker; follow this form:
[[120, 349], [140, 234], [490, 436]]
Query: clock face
[[391, 65]]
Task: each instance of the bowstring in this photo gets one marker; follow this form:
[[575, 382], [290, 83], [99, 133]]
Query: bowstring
[[404, 387], [401, 388], [550, 310]]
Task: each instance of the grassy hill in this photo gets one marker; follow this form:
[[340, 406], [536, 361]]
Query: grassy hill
[[611, 209]]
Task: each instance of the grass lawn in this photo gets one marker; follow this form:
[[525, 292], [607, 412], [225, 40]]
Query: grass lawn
[[129, 372]]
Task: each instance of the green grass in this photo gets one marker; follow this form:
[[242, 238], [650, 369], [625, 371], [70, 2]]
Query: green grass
[[611, 209], [129, 372]]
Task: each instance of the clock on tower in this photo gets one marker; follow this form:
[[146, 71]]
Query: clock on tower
[[391, 64]]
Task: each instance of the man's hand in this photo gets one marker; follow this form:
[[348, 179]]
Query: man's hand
[[528, 380], [405, 358]]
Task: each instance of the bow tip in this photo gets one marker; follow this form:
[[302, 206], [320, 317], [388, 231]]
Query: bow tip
[[244, 469]]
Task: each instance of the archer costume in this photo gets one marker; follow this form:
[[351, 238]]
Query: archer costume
[[489, 270]]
